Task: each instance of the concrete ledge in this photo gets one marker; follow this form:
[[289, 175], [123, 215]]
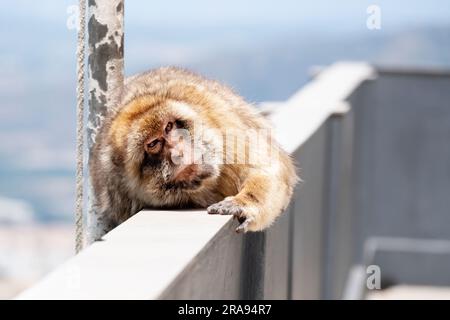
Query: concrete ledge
[[408, 292], [301, 115], [137, 260]]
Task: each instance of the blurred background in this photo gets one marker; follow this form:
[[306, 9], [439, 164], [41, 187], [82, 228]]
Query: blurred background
[[263, 49]]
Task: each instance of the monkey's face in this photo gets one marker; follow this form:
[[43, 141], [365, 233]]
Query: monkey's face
[[170, 150]]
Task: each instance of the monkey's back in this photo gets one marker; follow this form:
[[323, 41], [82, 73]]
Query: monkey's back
[[215, 101]]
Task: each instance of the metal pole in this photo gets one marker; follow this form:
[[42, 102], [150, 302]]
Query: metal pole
[[105, 71]]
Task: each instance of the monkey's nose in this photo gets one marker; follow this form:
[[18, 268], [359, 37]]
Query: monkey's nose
[[169, 143]]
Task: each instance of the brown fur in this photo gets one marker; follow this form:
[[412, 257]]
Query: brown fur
[[126, 177]]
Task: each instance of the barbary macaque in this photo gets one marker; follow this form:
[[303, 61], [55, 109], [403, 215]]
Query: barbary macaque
[[177, 140]]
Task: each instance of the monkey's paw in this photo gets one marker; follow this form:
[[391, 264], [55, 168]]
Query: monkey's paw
[[230, 207]]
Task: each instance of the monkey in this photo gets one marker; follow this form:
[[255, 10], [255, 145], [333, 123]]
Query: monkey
[[171, 143]]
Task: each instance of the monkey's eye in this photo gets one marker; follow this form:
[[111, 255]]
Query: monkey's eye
[[169, 127], [153, 143], [180, 124]]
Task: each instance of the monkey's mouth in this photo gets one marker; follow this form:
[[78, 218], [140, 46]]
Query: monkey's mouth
[[186, 172], [189, 177]]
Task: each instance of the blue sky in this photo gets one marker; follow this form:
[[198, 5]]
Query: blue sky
[[289, 13], [181, 27], [196, 26], [326, 14]]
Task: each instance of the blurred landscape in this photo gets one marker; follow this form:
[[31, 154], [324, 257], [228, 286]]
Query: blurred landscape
[[263, 60]]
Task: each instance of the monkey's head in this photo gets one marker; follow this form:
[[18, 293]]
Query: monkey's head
[[166, 148]]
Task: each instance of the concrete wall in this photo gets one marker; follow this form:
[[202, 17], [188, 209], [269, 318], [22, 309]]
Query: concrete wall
[[402, 156], [340, 219]]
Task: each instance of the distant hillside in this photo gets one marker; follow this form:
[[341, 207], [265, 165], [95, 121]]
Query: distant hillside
[[274, 71]]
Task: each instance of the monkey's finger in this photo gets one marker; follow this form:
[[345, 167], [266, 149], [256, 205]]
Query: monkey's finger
[[225, 208], [243, 227], [213, 209]]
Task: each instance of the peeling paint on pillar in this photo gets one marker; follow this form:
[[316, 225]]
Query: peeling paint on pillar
[[105, 70], [105, 28]]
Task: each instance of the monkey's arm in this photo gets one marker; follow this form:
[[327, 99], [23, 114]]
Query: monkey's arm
[[110, 204], [261, 198]]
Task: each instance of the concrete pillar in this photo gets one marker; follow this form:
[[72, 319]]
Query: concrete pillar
[[105, 69]]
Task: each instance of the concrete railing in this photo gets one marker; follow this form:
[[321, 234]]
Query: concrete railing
[[355, 133]]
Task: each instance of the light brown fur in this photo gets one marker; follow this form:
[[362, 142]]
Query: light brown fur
[[128, 173]]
